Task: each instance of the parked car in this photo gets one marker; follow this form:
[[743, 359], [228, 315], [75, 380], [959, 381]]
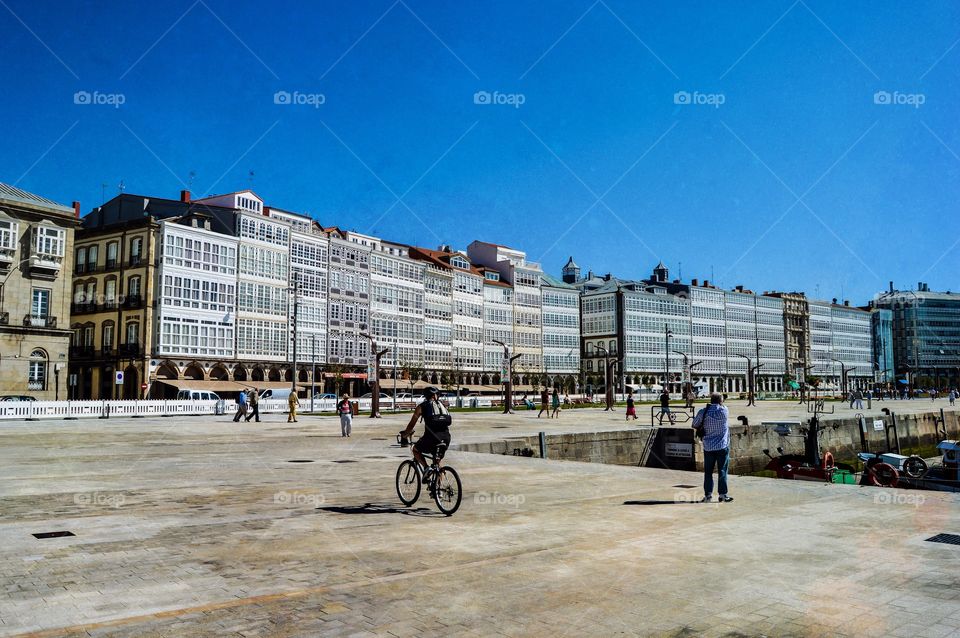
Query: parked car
[[405, 397], [369, 395], [17, 397], [197, 395], [325, 397]]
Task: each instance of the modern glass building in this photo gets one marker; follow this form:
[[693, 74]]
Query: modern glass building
[[926, 335]]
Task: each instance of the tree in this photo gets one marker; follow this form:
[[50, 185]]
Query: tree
[[412, 370], [337, 369]]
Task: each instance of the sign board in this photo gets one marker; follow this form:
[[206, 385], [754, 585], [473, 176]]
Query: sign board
[[878, 425], [73, 379], [678, 450], [118, 377], [800, 374]]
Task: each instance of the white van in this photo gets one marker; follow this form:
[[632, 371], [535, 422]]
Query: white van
[[197, 395], [278, 394]]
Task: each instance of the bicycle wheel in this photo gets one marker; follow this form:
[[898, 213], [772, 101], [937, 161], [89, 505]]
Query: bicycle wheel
[[448, 490], [408, 482]]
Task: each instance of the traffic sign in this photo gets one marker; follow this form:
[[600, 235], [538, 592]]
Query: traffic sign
[[119, 377]]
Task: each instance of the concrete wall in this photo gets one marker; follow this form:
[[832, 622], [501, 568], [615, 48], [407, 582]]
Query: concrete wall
[[674, 447]]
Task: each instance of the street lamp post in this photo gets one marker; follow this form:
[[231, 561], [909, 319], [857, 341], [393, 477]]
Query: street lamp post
[[296, 312], [667, 333], [375, 386], [608, 394], [687, 369], [843, 376], [749, 378], [313, 371], [508, 386]]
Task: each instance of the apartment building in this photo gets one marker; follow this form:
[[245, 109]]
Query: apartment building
[[561, 332], [497, 326], [348, 308], [524, 278], [309, 263], [36, 260], [397, 304]]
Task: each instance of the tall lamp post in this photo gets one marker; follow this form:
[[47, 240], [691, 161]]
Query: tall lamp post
[[296, 313], [667, 333], [687, 369], [843, 376], [508, 368], [607, 375], [749, 377], [375, 393]]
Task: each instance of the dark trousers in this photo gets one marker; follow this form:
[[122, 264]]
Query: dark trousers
[[719, 459], [255, 413]]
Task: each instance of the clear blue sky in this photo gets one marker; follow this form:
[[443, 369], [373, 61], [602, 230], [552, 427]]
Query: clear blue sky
[[879, 182]]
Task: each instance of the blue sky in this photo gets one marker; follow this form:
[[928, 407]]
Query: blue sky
[[777, 169]]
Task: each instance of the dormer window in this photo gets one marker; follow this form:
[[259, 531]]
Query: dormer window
[[492, 276], [459, 262]]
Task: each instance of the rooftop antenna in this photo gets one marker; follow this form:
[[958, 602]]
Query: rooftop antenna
[[817, 289], [190, 179], [711, 272], [680, 270], [121, 187], [250, 177]]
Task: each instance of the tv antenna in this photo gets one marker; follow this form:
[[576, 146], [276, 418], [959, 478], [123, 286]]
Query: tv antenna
[[121, 187]]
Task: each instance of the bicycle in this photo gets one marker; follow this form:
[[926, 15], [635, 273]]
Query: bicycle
[[443, 482]]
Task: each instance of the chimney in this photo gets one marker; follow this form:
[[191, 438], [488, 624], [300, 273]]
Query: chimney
[[846, 302], [76, 209], [891, 286], [185, 196], [694, 282], [706, 283], [739, 288], [834, 301]]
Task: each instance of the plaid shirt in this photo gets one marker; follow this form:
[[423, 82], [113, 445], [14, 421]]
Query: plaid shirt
[[716, 432]]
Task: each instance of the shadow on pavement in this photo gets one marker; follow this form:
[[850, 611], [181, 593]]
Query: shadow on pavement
[[659, 502], [380, 508]]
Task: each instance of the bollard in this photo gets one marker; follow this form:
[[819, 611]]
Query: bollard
[[543, 445]]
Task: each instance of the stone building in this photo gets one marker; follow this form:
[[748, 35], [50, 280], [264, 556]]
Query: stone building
[[36, 260]]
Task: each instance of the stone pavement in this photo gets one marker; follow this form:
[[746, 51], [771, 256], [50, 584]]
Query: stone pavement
[[203, 527]]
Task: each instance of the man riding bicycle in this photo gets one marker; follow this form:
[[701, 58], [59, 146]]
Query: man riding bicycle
[[436, 421]]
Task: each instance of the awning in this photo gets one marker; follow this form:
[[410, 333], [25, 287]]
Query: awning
[[794, 385]]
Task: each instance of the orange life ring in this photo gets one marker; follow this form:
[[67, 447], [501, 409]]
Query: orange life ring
[[883, 475]]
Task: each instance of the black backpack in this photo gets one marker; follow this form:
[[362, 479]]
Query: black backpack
[[435, 420]]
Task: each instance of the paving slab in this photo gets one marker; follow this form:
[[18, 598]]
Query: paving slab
[[198, 526]]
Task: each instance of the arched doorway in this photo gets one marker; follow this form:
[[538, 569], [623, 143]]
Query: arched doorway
[[220, 373], [194, 372], [239, 373], [258, 374]]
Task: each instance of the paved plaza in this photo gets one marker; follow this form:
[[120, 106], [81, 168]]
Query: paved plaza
[[198, 526]]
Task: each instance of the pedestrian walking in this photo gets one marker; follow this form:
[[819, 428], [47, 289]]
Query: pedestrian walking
[[254, 401], [631, 407], [555, 402], [241, 406], [345, 410], [711, 424], [953, 397], [665, 407], [544, 403], [293, 402]]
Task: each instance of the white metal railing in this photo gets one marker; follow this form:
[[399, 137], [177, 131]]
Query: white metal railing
[[35, 410]]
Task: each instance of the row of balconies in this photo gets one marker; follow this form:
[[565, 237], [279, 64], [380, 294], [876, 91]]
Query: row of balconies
[[130, 302], [111, 264], [90, 352]]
